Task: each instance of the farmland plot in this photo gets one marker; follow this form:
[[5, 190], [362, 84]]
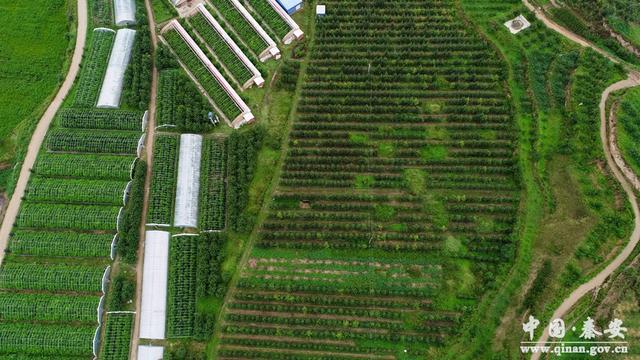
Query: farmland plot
[[53, 278], [398, 195]]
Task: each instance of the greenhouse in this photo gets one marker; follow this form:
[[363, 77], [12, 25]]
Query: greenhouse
[[257, 77], [154, 285], [187, 191], [272, 50], [245, 116], [291, 7], [118, 61], [148, 352], [125, 12]]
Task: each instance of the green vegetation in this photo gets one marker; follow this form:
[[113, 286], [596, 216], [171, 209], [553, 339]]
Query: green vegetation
[[30, 74], [163, 10], [268, 15], [628, 129], [94, 68], [136, 90], [572, 202], [163, 182], [593, 20], [81, 210], [180, 105], [346, 230], [194, 280], [117, 337], [212, 185], [210, 84], [221, 50], [240, 25]]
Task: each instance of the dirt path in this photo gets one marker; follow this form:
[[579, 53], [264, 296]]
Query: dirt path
[[615, 163], [41, 130], [540, 15], [596, 281], [151, 132]]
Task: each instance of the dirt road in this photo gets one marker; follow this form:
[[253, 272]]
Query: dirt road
[[540, 15], [41, 129], [607, 143], [151, 125]]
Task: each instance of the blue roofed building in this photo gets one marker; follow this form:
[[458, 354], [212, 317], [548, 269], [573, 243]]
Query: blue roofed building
[[290, 6]]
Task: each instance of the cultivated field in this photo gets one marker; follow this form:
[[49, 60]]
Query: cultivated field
[[396, 204]]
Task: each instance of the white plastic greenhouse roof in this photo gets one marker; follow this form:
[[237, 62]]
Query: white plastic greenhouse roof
[[118, 61], [188, 187], [146, 352], [154, 285], [125, 12]]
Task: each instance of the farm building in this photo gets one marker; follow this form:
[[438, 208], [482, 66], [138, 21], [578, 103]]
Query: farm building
[[321, 10], [291, 6], [125, 12]]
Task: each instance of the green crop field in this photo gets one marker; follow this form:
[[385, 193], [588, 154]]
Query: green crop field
[[416, 182], [30, 73], [81, 211], [398, 192]]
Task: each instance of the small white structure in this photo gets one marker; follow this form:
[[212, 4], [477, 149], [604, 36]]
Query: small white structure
[[188, 188], [272, 50], [154, 285], [295, 33], [147, 352], [518, 24], [178, 2], [125, 12], [245, 112], [321, 10], [257, 77], [114, 77]]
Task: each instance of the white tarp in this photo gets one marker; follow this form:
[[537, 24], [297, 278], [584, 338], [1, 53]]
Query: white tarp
[[118, 61], [517, 24], [188, 187], [146, 352], [125, 12], [154, 285]]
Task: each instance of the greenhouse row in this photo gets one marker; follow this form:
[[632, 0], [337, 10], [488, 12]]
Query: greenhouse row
[[186, 211], [245, 112], [125, 12], [257, 77], [272, 50], [154, 285], [111, 90]]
